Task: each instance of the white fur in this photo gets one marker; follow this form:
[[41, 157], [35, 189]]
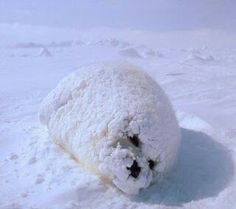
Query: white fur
[[93, 112]]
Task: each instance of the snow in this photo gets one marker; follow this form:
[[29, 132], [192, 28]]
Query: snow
[[100, 116], [44, 52], [36, 173], [130, 52]]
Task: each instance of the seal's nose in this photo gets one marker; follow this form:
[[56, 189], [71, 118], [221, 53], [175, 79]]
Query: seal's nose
[[134, 169]]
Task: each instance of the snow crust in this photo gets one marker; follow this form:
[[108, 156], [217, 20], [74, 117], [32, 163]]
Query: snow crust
[[116, 121]]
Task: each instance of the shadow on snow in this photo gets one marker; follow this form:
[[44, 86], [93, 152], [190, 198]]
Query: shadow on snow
[[204, 168]]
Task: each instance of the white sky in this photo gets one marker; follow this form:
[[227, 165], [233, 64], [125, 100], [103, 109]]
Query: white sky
[[138, 14]]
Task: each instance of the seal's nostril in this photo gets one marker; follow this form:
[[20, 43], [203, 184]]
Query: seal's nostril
[[151, 164], [134, 169], [135, 140]]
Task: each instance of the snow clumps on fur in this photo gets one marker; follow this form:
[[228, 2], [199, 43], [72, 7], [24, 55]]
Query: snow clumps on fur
[[116, 121]]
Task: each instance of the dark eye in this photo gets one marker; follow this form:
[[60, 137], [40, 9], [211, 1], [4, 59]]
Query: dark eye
[[134, 140], [151, 164], [134, 169]]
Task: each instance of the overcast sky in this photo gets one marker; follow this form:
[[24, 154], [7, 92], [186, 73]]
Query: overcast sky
[[138, 14]]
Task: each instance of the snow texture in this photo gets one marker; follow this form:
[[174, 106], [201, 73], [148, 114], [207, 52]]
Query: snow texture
[[116, 122], [44, 52], [130, 52]]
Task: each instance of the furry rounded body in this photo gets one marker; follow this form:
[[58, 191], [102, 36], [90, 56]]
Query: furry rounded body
[[115, 121]]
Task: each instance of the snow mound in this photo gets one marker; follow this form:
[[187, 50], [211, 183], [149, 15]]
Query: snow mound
[[44, 52], [116, 122], [199, 57], [152, 53], [147, 52], [130, 52], [111, 42]]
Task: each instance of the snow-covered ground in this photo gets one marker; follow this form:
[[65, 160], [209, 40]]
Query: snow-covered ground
[[197, 71]]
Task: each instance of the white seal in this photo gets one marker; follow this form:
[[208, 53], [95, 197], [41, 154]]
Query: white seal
[[116, 121]]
